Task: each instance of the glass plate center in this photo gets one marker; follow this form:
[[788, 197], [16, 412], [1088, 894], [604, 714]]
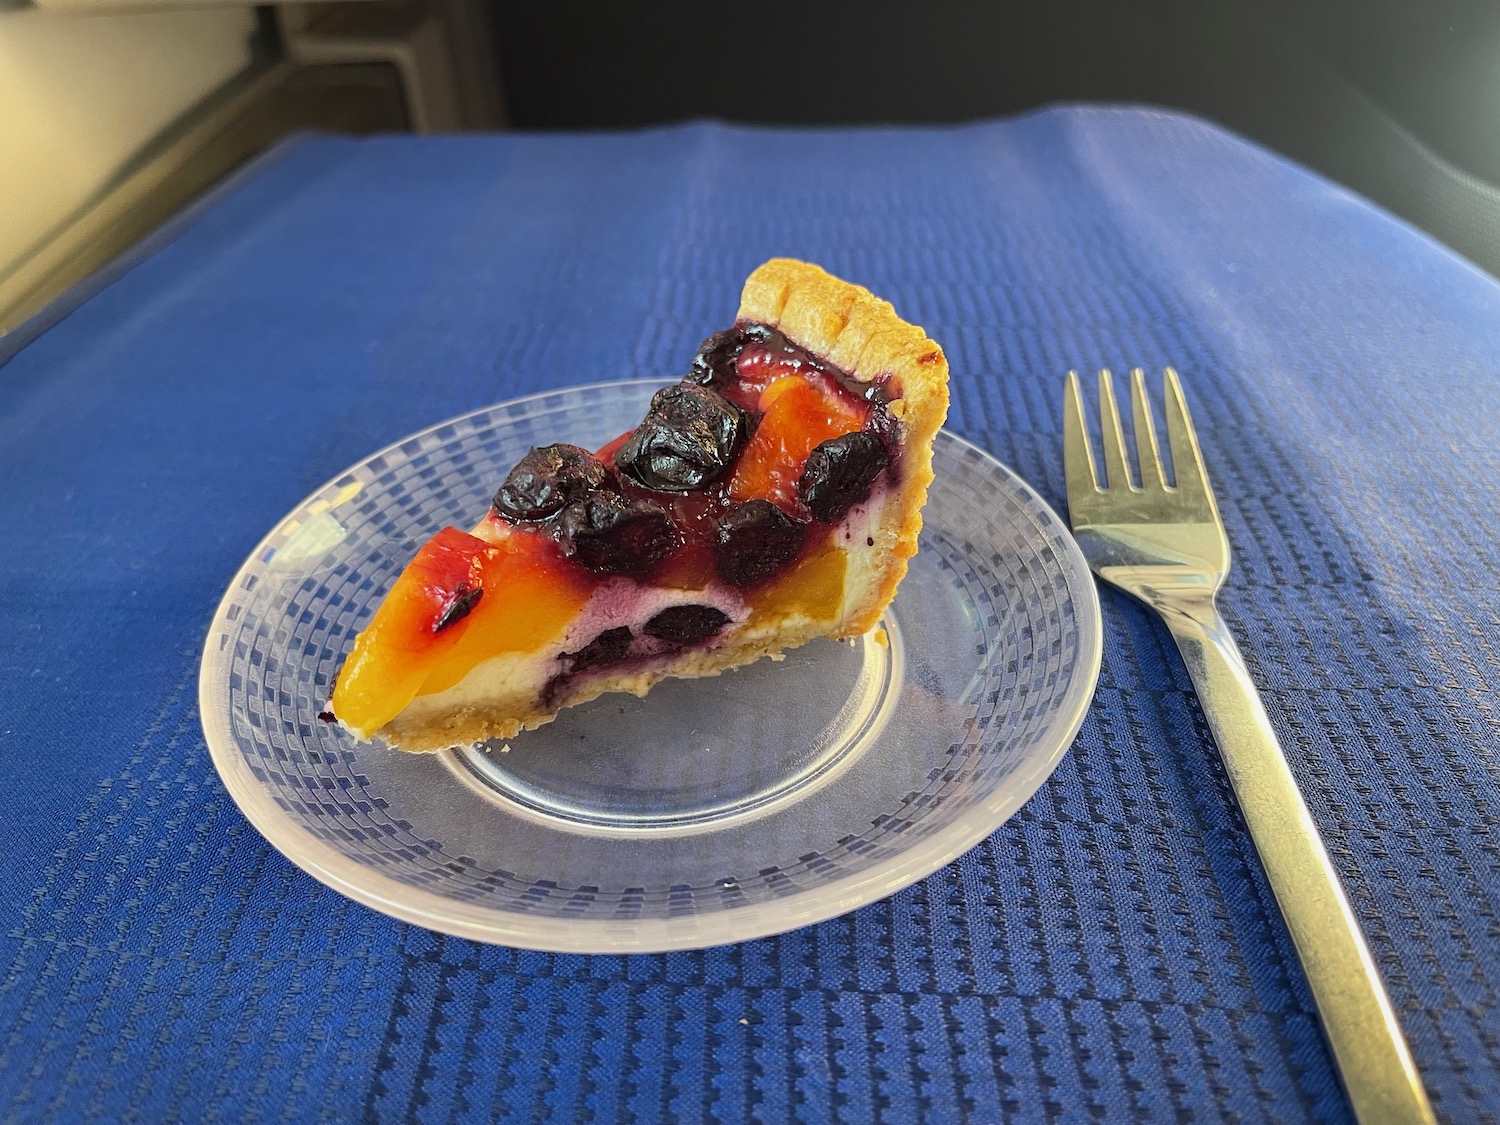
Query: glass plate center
[[697, 753]]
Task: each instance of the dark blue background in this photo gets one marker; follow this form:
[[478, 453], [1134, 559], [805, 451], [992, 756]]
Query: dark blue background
[[1113, 952]]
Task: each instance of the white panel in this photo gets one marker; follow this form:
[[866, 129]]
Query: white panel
[[80, 94]]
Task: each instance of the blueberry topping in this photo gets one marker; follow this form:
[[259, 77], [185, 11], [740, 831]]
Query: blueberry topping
[[689, 439], [838, 474], [754, 540], [714, 362], [608, 533], [463, 600], [547, 480], [609, 647], [686, 624]]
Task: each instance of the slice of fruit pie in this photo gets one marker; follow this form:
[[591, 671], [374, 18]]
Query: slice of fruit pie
[[771, 497]]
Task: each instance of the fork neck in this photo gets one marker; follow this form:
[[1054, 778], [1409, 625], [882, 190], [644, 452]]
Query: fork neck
[[1182, 597]]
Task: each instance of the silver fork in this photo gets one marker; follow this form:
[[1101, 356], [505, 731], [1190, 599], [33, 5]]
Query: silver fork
[[1165, 544]]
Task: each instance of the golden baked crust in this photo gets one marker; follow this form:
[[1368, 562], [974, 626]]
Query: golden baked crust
[[861, 334]]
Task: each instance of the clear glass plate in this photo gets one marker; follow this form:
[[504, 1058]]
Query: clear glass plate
[[713, 810]]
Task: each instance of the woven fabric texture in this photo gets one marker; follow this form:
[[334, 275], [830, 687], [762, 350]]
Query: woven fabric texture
[[1112, 953]]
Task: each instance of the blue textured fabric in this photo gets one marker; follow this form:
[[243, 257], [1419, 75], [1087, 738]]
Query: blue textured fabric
[[1113, 952]]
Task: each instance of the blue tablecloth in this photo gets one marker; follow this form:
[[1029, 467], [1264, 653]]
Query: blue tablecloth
[[1113, 952]]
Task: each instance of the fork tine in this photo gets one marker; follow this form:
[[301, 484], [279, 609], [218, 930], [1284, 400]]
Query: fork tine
[[1115, 472], [1078, 458], [1187, 458], [1147, 450]]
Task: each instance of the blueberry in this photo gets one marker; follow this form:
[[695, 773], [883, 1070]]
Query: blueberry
[[686, 624], [609, 647], [547, 480], [714, 362], [754, 540], [689, 439], [611, 534], [458, 606], [715, 359], [838, 474]]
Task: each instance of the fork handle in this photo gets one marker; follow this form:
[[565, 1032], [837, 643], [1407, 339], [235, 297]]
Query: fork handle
[[1372, 1056]]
